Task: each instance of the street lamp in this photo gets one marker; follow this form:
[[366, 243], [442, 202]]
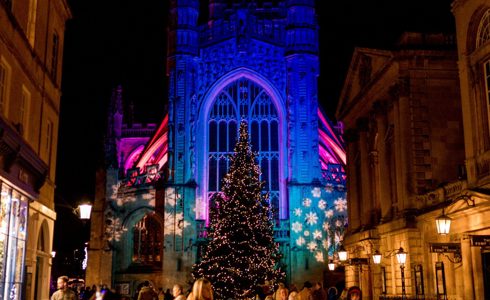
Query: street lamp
[[82, 213], [84, 210], [342, 254], [376, 257], [401, 257], [331, 265], [443, 222]]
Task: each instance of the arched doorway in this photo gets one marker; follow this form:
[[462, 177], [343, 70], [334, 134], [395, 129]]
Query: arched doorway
[[41, 279]]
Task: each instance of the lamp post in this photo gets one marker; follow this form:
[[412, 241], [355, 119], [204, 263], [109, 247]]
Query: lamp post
[[76, 220], [401, 257]]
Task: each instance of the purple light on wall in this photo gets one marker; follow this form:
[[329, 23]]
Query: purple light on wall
[[331, 148]]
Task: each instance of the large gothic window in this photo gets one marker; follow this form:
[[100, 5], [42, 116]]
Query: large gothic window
[[244, 100], [147, 241]]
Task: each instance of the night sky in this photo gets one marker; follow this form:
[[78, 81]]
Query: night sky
[[113, 42]]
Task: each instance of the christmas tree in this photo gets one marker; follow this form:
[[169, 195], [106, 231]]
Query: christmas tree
[[241, 253]]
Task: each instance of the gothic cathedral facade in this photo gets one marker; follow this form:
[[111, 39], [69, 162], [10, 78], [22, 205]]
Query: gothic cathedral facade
[[252, 61]]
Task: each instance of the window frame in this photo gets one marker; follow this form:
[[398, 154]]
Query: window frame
[[483, 32], [5, 87], [236, 102], [24, 111], [158, 237], [31, 22], [49, 140], [55, 49]]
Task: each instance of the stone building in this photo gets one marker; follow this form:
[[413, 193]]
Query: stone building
[[250, 60], [419, 154], [31, 47]]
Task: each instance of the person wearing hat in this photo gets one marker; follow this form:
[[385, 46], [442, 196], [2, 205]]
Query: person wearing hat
[[354, 293], [306, 293]]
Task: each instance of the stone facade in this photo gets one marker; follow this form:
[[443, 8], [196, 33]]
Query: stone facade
[[431, 118], [251, 61], [31, 47]]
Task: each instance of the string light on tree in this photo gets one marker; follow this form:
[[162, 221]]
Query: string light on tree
[[241, 253]]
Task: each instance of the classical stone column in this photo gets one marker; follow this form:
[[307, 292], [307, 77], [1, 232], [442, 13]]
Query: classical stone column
[[352, 138], [383, 162], [477, 272], [469, 292], [366, 196], [401, 114]]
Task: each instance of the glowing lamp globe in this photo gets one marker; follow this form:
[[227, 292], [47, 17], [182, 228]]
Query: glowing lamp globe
[[401, 256], [85, 210], [342, 254], [331, 266], [443, 224], [377, 257]]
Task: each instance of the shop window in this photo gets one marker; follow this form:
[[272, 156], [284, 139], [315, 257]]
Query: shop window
[[13, 233]]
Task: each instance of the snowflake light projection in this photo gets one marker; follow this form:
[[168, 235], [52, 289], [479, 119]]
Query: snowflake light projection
[[114, 228], [316, 192], [340, 204], [318, 225], [311, 218], [297, 227], [174, 216], [298, 212]]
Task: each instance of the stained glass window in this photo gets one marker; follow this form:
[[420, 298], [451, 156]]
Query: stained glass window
[[244, 100]]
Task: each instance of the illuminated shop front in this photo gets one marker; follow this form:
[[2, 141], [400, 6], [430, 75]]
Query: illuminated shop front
[[13, 234]]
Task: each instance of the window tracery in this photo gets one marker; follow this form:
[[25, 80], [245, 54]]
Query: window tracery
[[244, 100], [486, 68], [483, 34], [147, 241]]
